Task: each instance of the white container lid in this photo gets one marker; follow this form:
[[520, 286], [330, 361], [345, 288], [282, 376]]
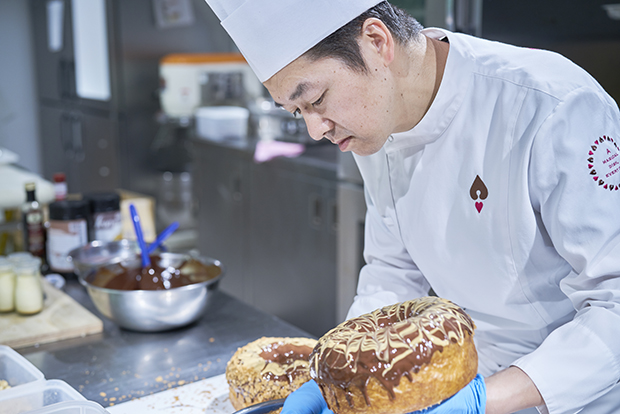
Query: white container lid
[[222, 122], [72, 407], [37, 395], [223, 112], [17, 370]]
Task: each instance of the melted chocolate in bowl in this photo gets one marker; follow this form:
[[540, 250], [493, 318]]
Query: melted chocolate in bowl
[[287, 356], [154, 277]]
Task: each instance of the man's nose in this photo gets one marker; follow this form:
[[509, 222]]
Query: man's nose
[[318, 127]]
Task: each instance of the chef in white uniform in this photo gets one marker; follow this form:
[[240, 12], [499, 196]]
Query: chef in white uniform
[[492, 176]]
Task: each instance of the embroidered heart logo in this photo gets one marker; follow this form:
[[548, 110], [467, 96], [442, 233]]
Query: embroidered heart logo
[[478, 191]]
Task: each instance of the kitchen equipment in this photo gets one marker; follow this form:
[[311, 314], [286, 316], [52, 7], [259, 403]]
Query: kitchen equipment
[[189, 80], [222, 122], [143, 310], [97, 253], [144, 254], [163, 236]]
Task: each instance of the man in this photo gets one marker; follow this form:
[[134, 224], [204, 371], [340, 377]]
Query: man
[[492, 175]]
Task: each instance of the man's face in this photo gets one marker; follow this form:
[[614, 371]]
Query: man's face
[[351, 109]]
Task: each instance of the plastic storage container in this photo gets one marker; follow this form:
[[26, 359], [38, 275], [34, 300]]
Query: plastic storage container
[[36, 396], [16, 370], [219, 123], [72, 407]]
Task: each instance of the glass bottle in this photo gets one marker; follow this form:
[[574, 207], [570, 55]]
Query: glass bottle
[[60, 186], [28, 286], [7, 286], [33, 223]]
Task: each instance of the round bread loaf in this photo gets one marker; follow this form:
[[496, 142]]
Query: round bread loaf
[[268, 369], [360, 364]]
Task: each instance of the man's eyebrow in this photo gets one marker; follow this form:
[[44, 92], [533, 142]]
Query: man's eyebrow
[[299, 90]]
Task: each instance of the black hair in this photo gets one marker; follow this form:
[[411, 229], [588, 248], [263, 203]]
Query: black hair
[[343, 44]]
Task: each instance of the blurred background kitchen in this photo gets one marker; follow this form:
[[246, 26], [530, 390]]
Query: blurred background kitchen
[[125, 96]]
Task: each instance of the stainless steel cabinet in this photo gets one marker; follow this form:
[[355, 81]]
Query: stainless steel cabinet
[[221, 185], [135, 45], [82, 145], [79, 136], [55, 68], [274, 226], [293, 246]]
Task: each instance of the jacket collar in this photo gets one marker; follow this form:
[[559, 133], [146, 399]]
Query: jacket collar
[[454, 85]]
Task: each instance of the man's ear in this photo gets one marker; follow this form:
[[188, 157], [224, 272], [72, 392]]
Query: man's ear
[[377, 37]]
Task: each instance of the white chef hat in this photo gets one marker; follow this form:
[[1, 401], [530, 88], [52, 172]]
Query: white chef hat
[[272, 33]]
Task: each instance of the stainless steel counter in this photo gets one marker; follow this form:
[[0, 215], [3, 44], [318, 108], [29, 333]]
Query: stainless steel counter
[[119, 365]]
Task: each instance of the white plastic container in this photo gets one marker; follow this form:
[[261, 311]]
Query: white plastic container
[[218, 123], [36, 396], [182, 76], [72, 407], [16, 370]]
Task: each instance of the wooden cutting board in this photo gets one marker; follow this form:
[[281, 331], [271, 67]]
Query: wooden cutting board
[[61, 318]]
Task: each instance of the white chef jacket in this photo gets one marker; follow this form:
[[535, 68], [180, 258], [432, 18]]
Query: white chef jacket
[[505, 199]]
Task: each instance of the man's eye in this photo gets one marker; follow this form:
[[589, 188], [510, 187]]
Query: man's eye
[[318, 101], [296, 112]]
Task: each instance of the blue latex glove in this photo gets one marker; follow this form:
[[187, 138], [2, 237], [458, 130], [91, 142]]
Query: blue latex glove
[[472, 399], [307, 399]]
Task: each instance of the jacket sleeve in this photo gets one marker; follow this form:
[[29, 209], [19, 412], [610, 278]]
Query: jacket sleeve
[[389, 276], [573, 186]]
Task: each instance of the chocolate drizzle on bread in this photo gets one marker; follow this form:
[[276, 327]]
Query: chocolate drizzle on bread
[[268, 368], [391, 343], [286, 359]]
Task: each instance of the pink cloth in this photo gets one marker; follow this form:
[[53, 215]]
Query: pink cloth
[[268, 150]]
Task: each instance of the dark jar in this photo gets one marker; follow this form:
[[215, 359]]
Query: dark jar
[[68, 230], [106, 222]]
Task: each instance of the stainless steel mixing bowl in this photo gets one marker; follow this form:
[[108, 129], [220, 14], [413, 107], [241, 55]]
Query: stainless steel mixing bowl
[[143, 310]]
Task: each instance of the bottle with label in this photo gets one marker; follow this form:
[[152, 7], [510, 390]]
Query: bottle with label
[[60, 186], [105, 209], [28, 287], [33, 223], [67, 230], [7, 286]]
